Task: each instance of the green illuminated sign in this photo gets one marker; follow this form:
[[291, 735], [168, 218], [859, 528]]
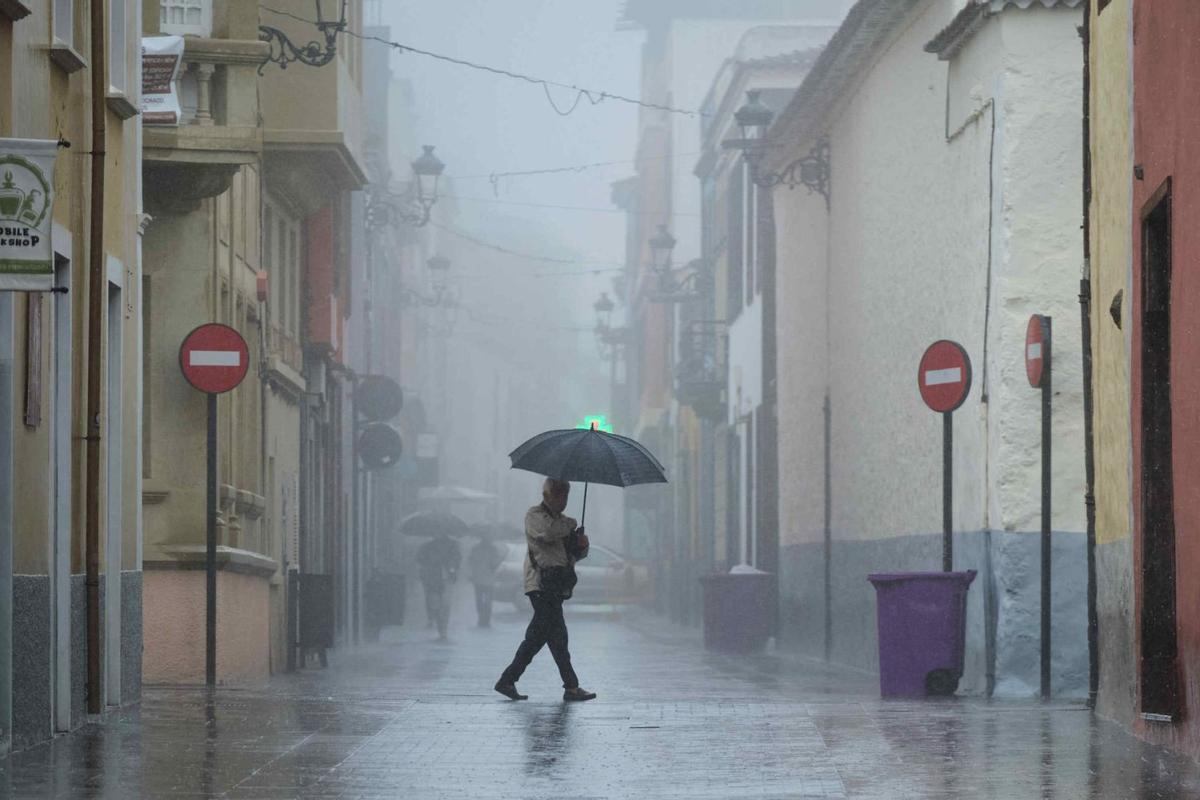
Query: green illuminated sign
[[598, 422]]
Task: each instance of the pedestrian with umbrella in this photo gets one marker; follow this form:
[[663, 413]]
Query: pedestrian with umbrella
[[438, 561], [555, 541]]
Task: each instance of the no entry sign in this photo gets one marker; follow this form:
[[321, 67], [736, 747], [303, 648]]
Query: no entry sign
[[214, 358], [1037, 350], [944, 376]]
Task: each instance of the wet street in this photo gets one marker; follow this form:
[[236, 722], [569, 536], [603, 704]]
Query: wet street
[[409, 717]]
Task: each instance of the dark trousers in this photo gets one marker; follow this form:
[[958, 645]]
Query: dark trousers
[[483, 603], [437, 606], [546, 627]]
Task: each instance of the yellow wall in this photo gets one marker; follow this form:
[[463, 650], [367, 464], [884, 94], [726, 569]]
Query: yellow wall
[[1109, 236], [1112, 168], [41, 100]]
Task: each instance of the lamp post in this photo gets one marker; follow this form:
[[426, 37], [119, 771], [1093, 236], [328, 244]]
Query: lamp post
[[385, 207]]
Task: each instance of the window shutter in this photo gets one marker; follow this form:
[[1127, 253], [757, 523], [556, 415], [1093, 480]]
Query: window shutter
[[185, 17]]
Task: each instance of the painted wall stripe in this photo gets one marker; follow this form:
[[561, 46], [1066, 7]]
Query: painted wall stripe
[[937, 377]]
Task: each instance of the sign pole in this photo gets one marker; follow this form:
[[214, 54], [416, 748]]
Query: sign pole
[[1046, 507], [214, 359], [210, 551], [948, 491], [944, 381]]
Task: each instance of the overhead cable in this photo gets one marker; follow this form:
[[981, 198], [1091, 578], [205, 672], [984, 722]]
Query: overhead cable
[[593, 96]]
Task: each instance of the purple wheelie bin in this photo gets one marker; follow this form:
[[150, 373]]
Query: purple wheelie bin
[[922, 631]]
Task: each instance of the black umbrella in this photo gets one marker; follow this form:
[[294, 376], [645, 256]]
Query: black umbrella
[[591, 456], [433, 523]]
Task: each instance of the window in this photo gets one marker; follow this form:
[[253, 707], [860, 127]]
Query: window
[[117, 65], [734, 247], [294, 266], [62, 39], [64, 22], [268, 257], [285, 280], [280, 252], [185, 17]]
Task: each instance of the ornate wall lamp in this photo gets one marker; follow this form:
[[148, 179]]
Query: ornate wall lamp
[[443, 294], [661, 245], [675, 286], [691, 282], [414, 209], [608, 338], [810, 171], [313, 54]]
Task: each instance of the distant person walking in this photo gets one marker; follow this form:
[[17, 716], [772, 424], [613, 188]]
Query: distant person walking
[[555, 543], [439, 560], [482, 563]]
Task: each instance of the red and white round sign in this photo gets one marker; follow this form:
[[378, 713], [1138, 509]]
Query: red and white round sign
[[944, 376], [214, 358], [1037, 350]]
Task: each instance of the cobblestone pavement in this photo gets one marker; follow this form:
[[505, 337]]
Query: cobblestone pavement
[[412, 718]]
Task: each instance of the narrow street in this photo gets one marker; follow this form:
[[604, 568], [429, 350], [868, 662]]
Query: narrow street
[[412, 718]]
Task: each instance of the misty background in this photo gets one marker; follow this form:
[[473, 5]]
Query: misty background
[[523, 357]]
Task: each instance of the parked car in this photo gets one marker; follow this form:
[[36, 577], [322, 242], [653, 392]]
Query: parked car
[[605, 577]]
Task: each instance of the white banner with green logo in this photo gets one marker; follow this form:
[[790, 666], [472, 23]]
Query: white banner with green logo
[[26, 214]]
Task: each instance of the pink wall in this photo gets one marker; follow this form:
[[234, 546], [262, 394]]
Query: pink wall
[[1166, 63], [173, 615]]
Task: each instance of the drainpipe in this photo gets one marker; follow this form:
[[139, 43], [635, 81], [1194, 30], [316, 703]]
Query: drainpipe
[[1085, 310], [96, 304]]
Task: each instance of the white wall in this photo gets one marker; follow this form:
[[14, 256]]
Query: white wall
[[908, 263]]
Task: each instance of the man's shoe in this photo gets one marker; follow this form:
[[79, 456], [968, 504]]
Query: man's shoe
[[509, 690], [578, 695]]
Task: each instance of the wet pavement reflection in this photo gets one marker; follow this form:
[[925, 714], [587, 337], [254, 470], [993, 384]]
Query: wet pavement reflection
[[408, 717]]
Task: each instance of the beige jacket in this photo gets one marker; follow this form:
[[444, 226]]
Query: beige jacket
[[546, 534]]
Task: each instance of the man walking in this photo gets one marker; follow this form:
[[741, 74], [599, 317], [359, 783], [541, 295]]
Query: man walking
[[555, 543], [483, 561]]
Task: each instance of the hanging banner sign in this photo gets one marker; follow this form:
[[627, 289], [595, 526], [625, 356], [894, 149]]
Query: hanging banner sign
[[161, 60], [26, 214]]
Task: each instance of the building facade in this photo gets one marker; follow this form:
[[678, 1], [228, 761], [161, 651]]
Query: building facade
[[70, 378], [254, 228], [677, 528], [1110, 260], [1162, 376], [972, 112]]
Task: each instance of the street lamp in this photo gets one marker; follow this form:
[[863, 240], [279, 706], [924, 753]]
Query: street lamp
[[439, 271], [754, 118], [608, 338], [428, 169], [283, 51], [661, 245], [385, 207], [694, 281], [604, 309], [810, 171]]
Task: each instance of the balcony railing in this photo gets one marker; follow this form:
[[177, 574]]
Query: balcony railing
[[700, 377]]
